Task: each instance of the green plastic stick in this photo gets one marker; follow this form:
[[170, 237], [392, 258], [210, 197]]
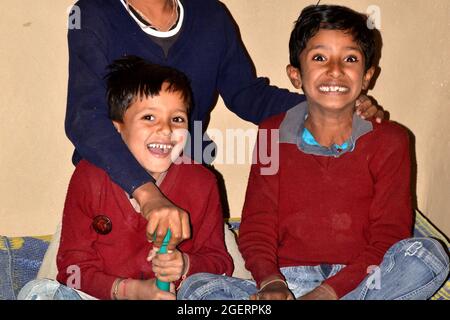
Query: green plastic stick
[[164, 286]]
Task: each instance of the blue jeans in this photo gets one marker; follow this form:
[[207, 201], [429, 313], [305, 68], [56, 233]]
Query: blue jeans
[[45, 289], [412, 269]]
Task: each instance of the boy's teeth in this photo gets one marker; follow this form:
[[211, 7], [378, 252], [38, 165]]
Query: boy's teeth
[[333, 89], [160, 146]]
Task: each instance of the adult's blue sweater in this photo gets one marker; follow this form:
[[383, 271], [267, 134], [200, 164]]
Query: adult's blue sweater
[[208, 50]]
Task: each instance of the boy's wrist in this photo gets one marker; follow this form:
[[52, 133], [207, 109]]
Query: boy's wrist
[[271, 279], [115, 289], [185, 271], [121, 289], [186, 265]]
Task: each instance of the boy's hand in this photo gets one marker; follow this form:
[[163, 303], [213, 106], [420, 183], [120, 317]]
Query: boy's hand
[[147, 290], [276, 290], [168, 267], [322, 292], [366, 109], [161, 215]]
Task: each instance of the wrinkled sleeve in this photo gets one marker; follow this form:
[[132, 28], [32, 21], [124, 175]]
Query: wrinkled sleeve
[[258, 233]]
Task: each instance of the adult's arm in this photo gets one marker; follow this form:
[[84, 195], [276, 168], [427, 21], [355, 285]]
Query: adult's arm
[[87, 122], [251, 98]]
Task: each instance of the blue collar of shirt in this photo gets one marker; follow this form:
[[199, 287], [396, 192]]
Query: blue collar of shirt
[[308, 138], [292, 130]]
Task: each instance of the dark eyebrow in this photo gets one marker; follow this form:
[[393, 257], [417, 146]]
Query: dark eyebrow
[[321, 46], [147, 109]]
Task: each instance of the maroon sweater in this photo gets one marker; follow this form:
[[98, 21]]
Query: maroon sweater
[[328, 210], [123, 251]]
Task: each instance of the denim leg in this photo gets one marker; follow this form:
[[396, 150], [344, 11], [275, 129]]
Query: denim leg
[[304, 279], [412, 269], [45, 289], [207, 286]]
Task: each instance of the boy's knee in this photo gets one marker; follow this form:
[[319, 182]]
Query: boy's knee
[[432, 246], [37, 289], [428, 251], [201, 277], [194, 282]]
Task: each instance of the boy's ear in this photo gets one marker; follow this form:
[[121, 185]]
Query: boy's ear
[[294, 75], [367, 77], [117, 125]]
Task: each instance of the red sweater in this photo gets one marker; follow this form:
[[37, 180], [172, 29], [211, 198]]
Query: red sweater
[[123, 252], [325, 210]]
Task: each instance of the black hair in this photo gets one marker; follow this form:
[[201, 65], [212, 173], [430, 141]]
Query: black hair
[[132, 77], [331, 17]]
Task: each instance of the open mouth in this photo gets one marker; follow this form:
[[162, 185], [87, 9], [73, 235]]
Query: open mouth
[[333, 89], [160, 149]]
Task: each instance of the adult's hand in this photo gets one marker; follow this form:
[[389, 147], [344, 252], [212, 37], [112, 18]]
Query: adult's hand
[[366, 109], [162, 215]]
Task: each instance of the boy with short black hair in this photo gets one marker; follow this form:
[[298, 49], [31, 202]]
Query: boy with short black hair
[[340, 205], [104, 250]]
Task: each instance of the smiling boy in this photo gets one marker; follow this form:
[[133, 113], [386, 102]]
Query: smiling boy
[[103, 233], [340, 205]]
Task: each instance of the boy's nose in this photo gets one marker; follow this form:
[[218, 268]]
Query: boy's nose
[[165, 128], [335, 69]]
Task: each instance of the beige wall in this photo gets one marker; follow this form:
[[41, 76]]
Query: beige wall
[[35, 154]]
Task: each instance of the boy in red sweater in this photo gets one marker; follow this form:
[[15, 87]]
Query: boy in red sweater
[[104, 250], [335, 221]]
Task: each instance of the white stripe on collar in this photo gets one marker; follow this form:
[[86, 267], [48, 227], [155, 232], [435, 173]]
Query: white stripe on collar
[[153, 32]]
